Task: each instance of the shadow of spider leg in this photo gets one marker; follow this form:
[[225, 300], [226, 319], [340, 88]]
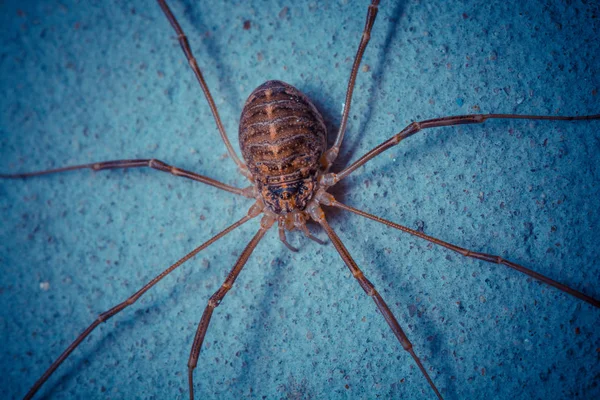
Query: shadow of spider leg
[[103, 317]]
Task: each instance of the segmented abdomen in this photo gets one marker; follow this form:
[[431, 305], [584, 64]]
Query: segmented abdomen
[[282, 135]]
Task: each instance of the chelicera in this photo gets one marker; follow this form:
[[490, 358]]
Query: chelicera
[[283, 143]]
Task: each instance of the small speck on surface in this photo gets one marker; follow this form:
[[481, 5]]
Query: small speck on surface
[[283, 13]]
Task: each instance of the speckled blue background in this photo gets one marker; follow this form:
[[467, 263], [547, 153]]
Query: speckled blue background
[[89, 81]]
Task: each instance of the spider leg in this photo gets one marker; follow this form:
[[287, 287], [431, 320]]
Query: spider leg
[[185, 46], [300, 224], [370, 290], [254, 211], [151, 163], [217, 297], [331, 154], [309, 235], [468, 253], [333, 178], [284, 239]]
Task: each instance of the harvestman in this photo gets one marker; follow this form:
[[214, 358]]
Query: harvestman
[[283, 142]]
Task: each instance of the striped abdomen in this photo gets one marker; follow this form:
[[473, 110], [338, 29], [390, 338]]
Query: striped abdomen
[[282, 135]]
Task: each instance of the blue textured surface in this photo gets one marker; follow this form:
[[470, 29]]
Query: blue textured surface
[[92, 81]]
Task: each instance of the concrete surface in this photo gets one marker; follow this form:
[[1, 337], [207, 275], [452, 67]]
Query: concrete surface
[[92, 81]]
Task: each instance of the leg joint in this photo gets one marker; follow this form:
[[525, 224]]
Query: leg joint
[[157, 164], [357, 274], [102, 317]]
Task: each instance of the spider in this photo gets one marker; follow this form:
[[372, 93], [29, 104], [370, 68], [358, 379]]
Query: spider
[[382, 353]]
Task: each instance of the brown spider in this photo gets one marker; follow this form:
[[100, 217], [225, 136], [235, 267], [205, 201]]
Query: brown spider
[[290, 202]]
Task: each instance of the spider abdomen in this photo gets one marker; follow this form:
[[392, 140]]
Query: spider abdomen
[[281, 133], [282, 137]]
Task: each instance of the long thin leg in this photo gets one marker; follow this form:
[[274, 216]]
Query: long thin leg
[[372, 292], [185, 46], [216, 298], [151, 163], [331, 154], [468, 253], [284, 239], [121, 306], [332, 178]]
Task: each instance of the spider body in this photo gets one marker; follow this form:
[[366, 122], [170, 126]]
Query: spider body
[[282, 137]]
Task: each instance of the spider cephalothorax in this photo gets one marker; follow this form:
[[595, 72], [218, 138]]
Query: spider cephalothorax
[[287, 197]]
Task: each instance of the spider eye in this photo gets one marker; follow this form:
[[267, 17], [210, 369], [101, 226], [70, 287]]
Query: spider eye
[[285, 195]]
